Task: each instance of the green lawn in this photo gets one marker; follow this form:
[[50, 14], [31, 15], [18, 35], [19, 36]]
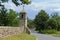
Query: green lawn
[[20, 37]]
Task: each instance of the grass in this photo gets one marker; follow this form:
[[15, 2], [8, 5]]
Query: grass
[[56, 35], [22, 36], [51, 32]]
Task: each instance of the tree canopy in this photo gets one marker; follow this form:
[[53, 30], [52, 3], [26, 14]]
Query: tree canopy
[[8, 18], [47, 24], [3, 17], [17, 3], [41, 20]]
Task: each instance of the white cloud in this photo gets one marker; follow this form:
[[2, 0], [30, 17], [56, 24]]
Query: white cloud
[[43, 5], [54, 0], [9, 6], [57, 9], [50, 0]]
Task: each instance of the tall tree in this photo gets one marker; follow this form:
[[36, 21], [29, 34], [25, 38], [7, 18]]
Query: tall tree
[[8, 19], [12, 17], [3, 17], [41, 20]]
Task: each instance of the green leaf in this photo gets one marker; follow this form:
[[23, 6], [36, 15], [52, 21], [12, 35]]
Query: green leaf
[[25, 2], [4, 0], [15, 2]]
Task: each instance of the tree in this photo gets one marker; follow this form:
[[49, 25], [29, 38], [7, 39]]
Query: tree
[[12, 17], [41, 20], [17, 3], [30, 23], [8, 19], [58, 22], [52, 24], [3, 17], [54, 15], [25, 2]]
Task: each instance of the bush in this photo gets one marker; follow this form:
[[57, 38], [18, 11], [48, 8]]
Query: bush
[[49, 31], [52, 24]]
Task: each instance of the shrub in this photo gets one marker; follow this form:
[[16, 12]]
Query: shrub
[[49, 31], [52, 24]]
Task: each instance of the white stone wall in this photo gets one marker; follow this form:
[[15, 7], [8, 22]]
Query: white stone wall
[[8, 31]]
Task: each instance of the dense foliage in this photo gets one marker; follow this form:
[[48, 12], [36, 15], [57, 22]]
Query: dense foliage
[[13, 18], [3, 17], [8, 18], [30, 23], [47, 24], [52, 24], [41, 20]]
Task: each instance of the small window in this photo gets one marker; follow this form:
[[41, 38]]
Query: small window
[[22, 16]]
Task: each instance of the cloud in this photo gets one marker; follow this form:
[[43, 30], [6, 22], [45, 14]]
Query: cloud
[[52, 1], [12, 6], [57, 9], [35, 7], [9, 6], [43, 5]]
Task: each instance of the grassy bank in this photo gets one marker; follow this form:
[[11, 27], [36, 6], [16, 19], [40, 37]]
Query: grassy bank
[[51, 32], [56, 35], [23, 36]]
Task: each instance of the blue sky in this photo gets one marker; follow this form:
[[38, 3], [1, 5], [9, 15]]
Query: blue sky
[[32, 10]]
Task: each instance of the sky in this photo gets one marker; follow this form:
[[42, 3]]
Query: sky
[[32, 9]]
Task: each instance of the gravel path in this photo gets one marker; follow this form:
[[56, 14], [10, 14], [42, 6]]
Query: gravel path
[[43, 36]]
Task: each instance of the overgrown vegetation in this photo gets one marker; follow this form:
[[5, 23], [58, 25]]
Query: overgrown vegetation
[[56, 34]]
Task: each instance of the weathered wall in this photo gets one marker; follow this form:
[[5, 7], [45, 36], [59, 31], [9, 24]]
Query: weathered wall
[[7, 31]]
